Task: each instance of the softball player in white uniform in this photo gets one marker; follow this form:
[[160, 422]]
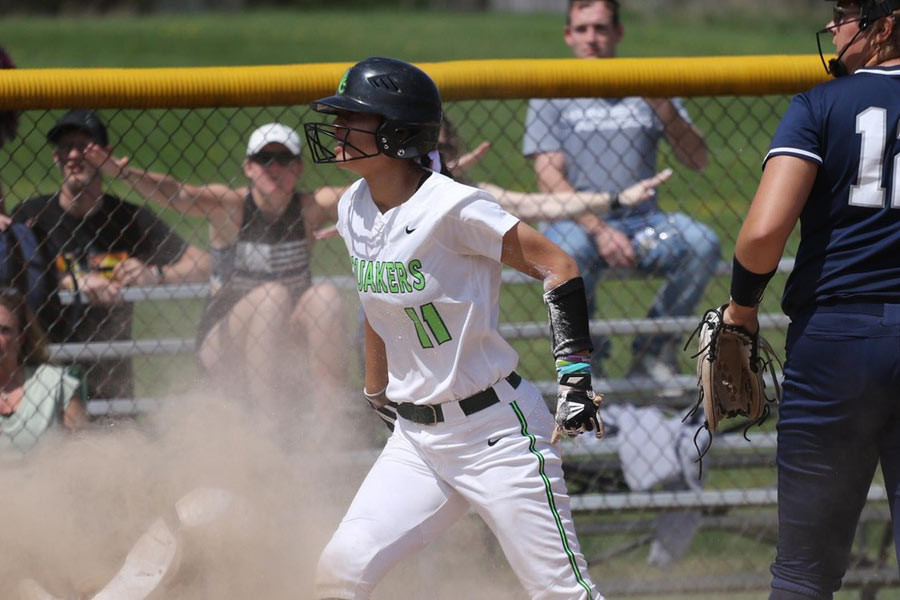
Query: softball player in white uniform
[[427, 252]]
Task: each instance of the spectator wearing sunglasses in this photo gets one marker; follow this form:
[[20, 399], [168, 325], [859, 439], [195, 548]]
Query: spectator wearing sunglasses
[[100, 244], [264, 307], [34, 395]]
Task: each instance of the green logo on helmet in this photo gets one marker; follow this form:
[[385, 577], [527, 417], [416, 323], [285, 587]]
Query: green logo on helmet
[[343, 84]]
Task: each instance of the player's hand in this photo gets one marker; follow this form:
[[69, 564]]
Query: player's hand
[[101, 157], [4, 222], [384, 408], [643, 189], [614, 247], [577, 411], [100, 290], [132, 271], [576, 402], [742, 316]]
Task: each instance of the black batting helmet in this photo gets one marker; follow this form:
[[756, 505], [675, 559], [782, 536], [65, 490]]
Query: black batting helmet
[[870, 11], [403, 95]]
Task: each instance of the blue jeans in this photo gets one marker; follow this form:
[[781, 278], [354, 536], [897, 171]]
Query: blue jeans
[[838, 417], [687, 258]]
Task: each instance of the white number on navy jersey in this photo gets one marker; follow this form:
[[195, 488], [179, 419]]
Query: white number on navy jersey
[[871, 124]]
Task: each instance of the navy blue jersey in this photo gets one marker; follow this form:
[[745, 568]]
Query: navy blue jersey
[[850, 226]]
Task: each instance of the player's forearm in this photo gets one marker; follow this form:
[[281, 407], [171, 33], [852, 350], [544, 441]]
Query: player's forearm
[[376, 376], [528, 251], [759, 256], [563, 269]]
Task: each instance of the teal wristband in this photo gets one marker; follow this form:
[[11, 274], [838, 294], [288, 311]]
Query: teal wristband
[[574, 370]]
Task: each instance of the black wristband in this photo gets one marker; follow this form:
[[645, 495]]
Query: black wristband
[[615, 203], [747, 287], [569, 327]]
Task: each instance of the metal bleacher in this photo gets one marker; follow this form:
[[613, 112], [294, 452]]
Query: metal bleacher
[[510, 331], [733, 509]]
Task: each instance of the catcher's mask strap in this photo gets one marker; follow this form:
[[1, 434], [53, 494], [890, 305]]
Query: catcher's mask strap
[[747, 287], [569, 325]]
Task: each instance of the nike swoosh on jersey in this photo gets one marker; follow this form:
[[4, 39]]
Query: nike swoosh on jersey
[[491, 442], [408, 230]]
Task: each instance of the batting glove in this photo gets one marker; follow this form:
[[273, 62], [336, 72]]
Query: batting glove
[[384, 408], [577, 406]]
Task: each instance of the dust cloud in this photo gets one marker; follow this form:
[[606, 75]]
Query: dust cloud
[[74, 507]]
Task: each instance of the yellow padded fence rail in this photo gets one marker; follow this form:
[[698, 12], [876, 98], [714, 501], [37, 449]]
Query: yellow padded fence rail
[[458, 80]]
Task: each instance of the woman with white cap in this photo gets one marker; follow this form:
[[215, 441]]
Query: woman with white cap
[[263, 298]]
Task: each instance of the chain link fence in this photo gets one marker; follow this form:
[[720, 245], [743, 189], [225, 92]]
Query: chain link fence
[[650, 521]]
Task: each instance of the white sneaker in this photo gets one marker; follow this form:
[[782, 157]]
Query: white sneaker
[[148, 562]]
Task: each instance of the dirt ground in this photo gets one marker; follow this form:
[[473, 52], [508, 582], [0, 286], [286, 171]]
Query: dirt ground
[[73, 509]]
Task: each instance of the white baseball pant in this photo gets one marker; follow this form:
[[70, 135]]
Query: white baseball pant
[[500, 462]]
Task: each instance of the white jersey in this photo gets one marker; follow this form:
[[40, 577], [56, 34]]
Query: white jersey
[[428, 275]]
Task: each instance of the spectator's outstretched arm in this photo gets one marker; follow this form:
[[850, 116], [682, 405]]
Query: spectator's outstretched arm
[[686, 140], [569, 205], [213, 201], [469, 159]]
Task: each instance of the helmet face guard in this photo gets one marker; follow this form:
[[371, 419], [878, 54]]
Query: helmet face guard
[[322, 137], [397, 140], [405, 98], [869, 12]]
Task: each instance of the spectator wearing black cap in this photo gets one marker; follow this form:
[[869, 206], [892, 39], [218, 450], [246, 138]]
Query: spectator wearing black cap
[[101, 244]]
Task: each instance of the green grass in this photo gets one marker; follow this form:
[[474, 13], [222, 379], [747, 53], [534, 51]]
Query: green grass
[[300, 36]]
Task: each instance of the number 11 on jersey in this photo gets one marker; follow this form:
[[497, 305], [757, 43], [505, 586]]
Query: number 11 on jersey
[[436, 326]]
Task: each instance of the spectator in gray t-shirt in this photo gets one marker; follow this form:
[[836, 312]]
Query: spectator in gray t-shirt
[[606, 145]]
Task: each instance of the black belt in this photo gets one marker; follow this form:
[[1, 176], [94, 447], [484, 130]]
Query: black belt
[[429, 414]]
